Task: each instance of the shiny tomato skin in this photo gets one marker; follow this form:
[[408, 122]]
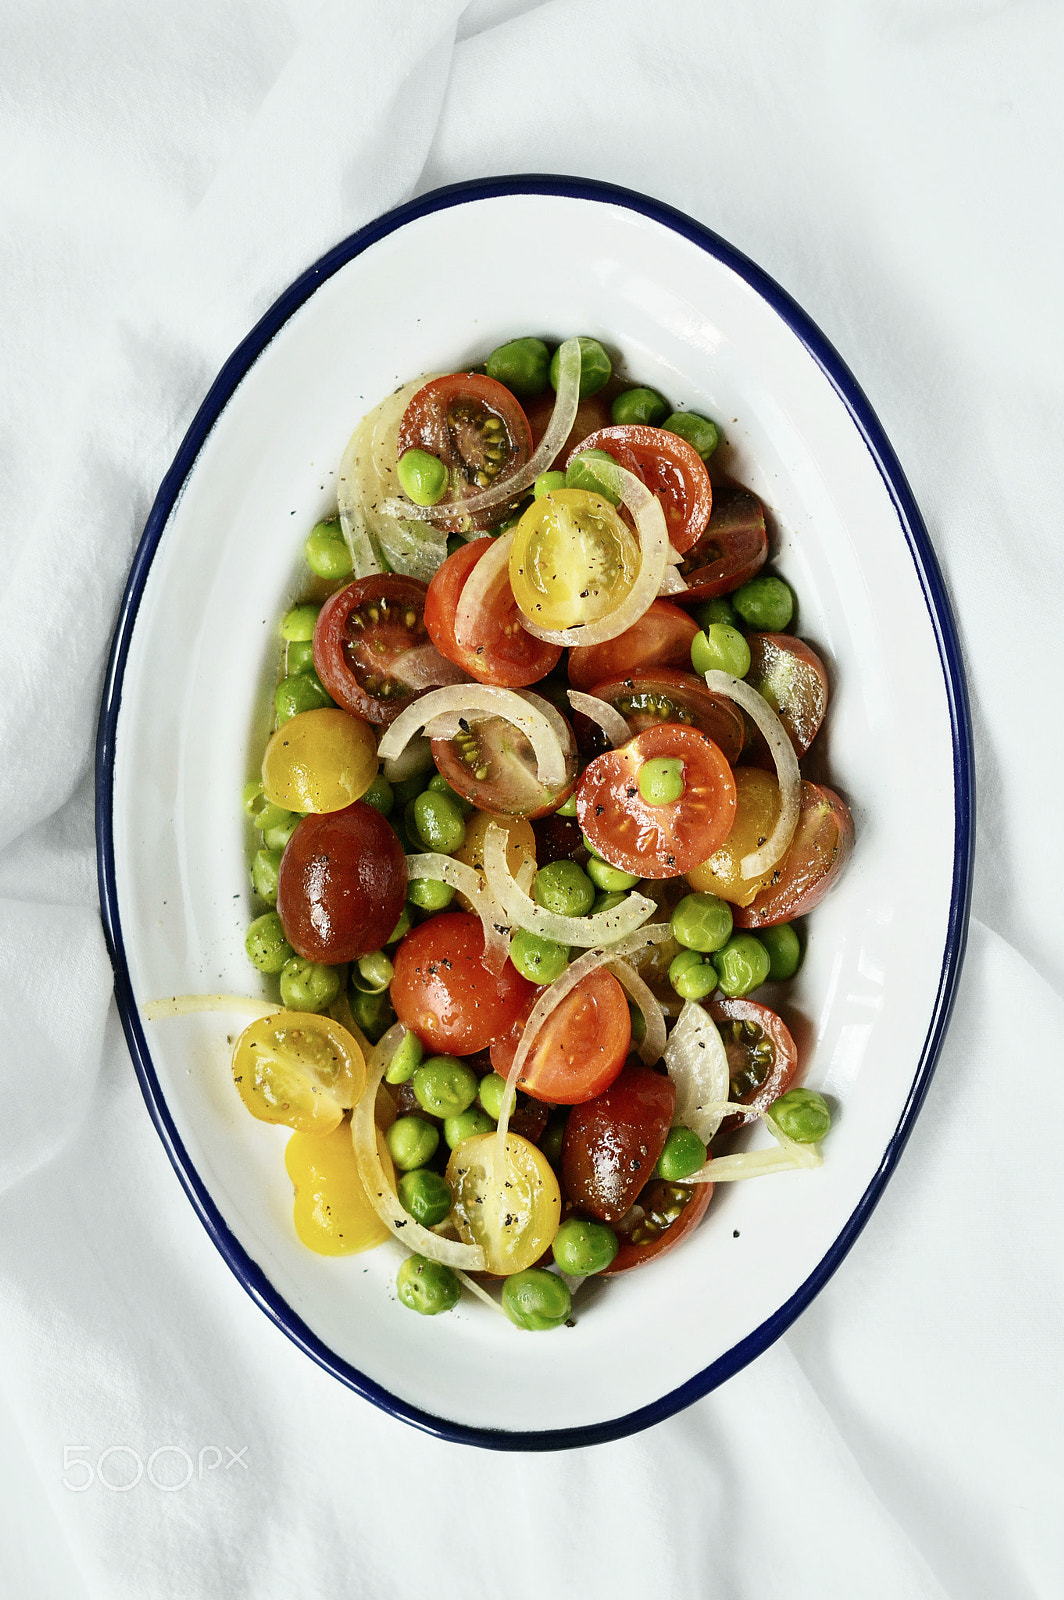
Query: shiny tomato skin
[[820, 849], [667, 694], [478, 430], [732, 549], [794, 681], [372, 650], [501, 652], [612, 1143], [443, 992], [509, 784], [657, 841], [636, 1254], [762, 1055], [582, 1046], [341, 884], [671, 469], [661, 638], [591, 414]]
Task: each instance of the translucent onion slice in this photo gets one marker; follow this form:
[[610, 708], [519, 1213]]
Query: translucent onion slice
[[787, 1157], [476, 700], [654, 1038], [672, 583], [467, 880], [698, 1066], [758, 709], [558, 430], [607, 717], [490, 570], [383, 1198], [654, 548], [367, 476], [187, 1005], [604, 928]]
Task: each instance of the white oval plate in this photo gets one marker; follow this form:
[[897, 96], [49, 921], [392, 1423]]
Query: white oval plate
[[437, 285]]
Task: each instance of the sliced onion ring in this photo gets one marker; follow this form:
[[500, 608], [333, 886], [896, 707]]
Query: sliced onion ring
[[607, 717], [472, 601], [476, 701], [698, 1065], [383, 1198], [602, 929], [467, 880], [758, 862], [654, 1038]]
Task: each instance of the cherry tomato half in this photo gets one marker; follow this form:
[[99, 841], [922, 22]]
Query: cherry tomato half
[[582, 1046], [657, 841], [492, 764], [591, 414], [341, 884], [762, 1057], [661, 638], [500, 651], [817, 854], [671, 469], [371, 648], [612, 1143], [298, 1069], [794, 681], [514, 1219], [733, 547], [665, 694], [664, 1213], [445, 994], [476, 428]]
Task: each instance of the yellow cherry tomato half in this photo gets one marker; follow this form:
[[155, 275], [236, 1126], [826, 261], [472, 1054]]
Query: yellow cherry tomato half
[[319, 761], [333, 1213], [298, 1069], [573, 559], [757, 805], [513, 1219], [520, 844]]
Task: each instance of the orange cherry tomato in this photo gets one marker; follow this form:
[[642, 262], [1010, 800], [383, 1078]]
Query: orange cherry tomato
[[581, 1047], [500, 651], [671, 469], [661, 638]]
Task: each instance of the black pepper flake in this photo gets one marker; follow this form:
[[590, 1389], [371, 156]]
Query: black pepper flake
[[599, 810]]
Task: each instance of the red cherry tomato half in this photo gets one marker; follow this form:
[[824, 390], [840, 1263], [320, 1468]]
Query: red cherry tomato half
[[371, 648], [500, 651], [657, 841], [493, 765], [612, 1143], [591, 414], [671, 469], [665, 694], [733, 547], [664, 1213], [762, 1057], [445, 994], [582, 1046], [794, 681], [817, 854], [476, 428], [661, 638], [341, 884]]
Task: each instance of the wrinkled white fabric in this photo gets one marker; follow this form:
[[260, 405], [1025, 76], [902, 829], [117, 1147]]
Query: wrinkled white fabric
[[165, 171]]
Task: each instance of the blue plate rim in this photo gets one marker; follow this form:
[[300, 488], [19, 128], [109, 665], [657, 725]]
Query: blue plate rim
[[247, 1272]]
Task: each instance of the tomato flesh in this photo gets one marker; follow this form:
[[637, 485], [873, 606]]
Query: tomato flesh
[[341, 884], [762, 1056], [492, 764], [821, 847], [671, 469], [665, 694], [582, 1046], [662, 637], [732, 549], [372, 650], [612, 1143], [500, 650], [445, 994], [664, 1213], [794, 681], [477, 429]]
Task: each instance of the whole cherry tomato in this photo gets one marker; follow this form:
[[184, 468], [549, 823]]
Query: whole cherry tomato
[[341, 884]]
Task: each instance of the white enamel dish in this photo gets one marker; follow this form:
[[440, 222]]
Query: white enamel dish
[[184, 712]]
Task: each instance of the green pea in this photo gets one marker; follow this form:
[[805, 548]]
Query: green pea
[[380, 795], [700, 433], [439, 823], [702, 922], [303, 692], [427, 1287], [466, 1125], [411, 1142], [268, 816], [683, 1154], [429, 894], [297, 625], [277, 835], [444, 1086], [661, 780], [426, 1195], [801, 1114], [523, 365], [719, 609], [265, 865], [298, 656], [406, 1059], [406, 789], [438, 785], [784, 951], [645, 406], [536, 1300], [372, 973], [611, 879], [372, 1012], [638, 1024], [252, 799], [539, 960], [765, 603], [581, 473], [608, 902], [308, 985], [546, 483], [595, 367], [564, 888], [423, 478], [266, 945], [720, 648], [326, 553], [402, 927], [553, 1137], [590, 848], [455, 542], [582, 1247], [491, 1093], [567, 807], [742, 965], [691, 977]]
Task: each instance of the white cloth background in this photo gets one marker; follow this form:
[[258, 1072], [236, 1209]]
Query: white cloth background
[[165, 170]]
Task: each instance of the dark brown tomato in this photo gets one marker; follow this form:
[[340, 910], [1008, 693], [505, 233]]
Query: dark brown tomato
[[559, 839], [492, 764], [661, 638], [794, 681], [612, 1143], [341, 884], [762, 1056], [372, 650], [665, 694], [664, 1213], [733, 547], [821, 847], [477, 429], [591, 414]]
